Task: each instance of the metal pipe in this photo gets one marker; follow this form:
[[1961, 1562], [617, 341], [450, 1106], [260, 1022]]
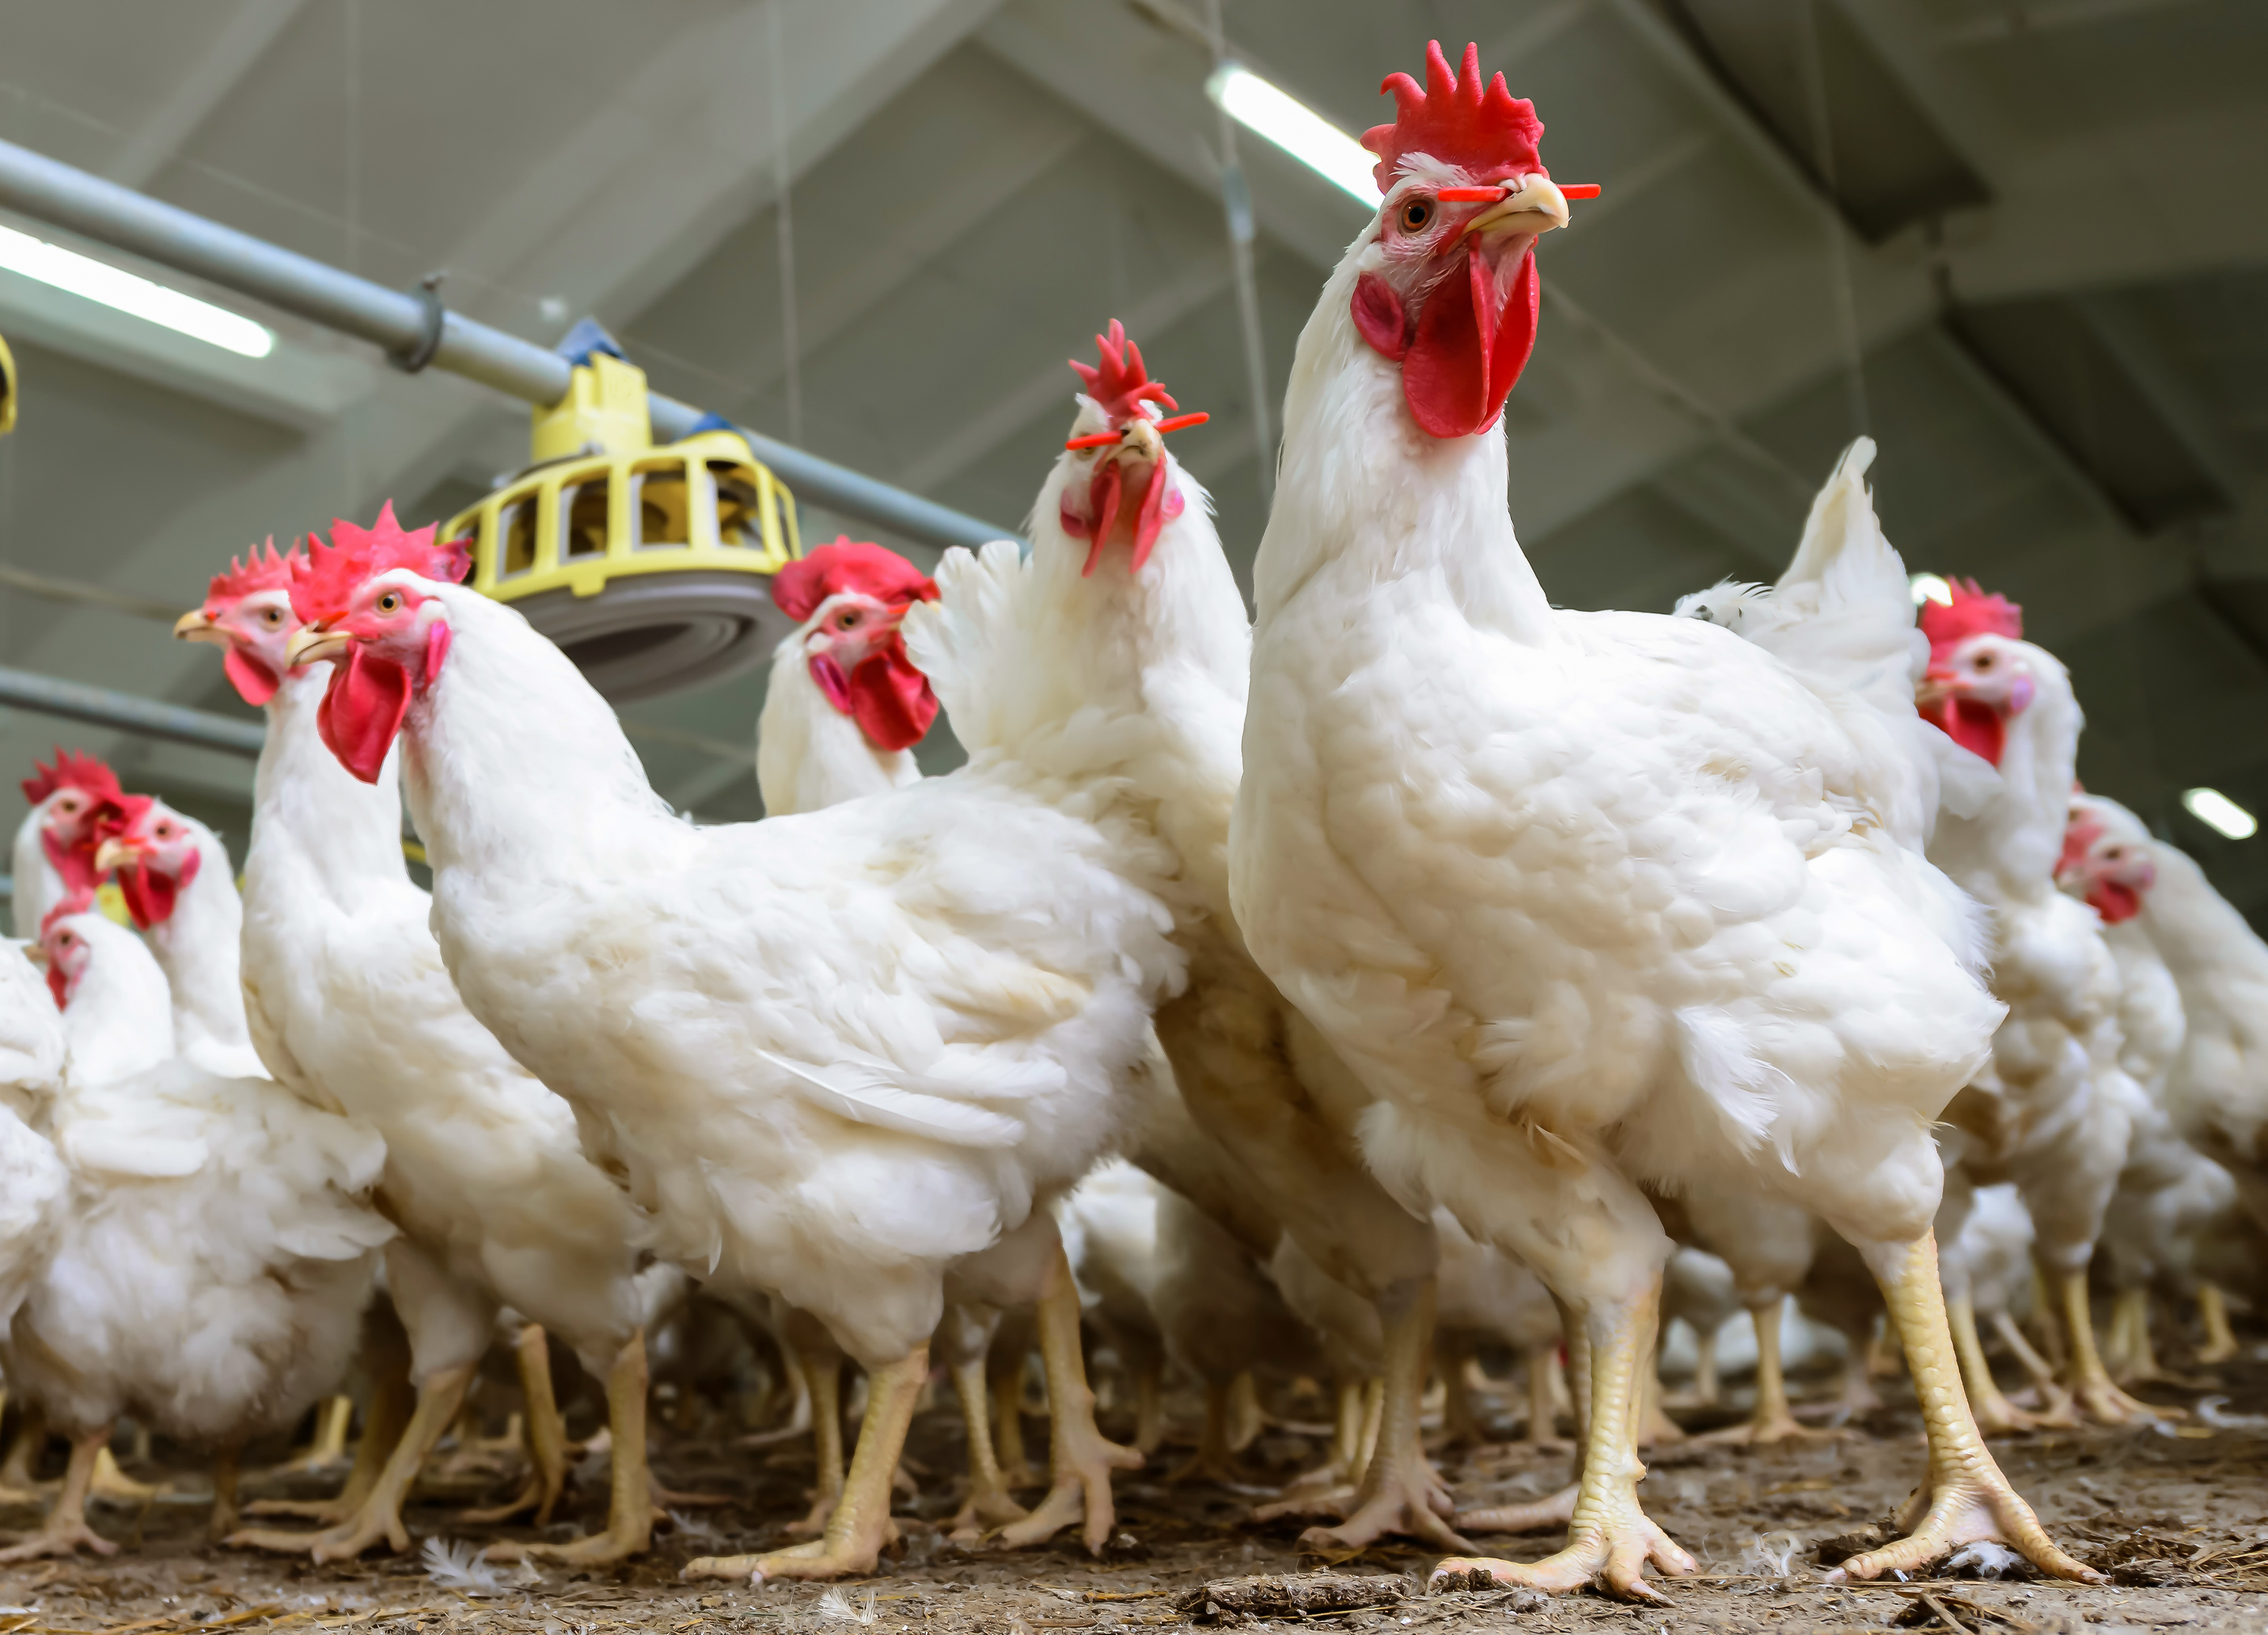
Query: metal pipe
[[24, 689], [401, 324]]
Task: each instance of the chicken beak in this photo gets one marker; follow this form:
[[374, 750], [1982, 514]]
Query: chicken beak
[[36, 953], [195, 626], [1536, 206], [1936, 686], [311, 644], [113, 854]]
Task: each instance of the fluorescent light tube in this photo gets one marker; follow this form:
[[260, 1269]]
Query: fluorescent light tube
[[1297, 128], [2217, 812], [1931, 587], [116, 287]]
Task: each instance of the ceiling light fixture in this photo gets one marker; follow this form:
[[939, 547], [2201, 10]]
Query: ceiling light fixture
[[1297, 128], [115, 287], [2217, 812], [1931, 587]]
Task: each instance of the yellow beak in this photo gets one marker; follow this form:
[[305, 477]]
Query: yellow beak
[[193, 626], [310, 642], [1537, 207], [113, 853], [35, 953]]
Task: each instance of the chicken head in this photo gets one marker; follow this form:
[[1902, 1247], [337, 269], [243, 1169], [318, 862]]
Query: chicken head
[[248, 612], [847, 599], [68, 800]]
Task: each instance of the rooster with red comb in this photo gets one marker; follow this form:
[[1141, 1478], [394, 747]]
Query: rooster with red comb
[[836, 1056], [350, 1006], [1577, 925], [56, 843], [2056, 1112]]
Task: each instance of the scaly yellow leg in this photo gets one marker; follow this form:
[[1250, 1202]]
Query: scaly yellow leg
[[380, 1514], [1610, 1539], [2212, 1311], [1965, 1497], [65, 1530], [861, 1524], [989, 1503], [629, 1501], [1994, 1413], [543, 1432], [1772, 1420], [1081, 1458], [2088, 1381]]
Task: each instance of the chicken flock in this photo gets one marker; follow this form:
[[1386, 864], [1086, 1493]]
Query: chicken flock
[[1415, 973]]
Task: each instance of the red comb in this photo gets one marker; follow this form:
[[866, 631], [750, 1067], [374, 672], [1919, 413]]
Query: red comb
[[255, 572], [1487, 132], [1122, 384], [71, 770], [78, 902], [848, 564], [324, 581], [1971, 612]]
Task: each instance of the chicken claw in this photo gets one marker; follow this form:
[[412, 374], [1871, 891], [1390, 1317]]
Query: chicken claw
[[861, 1525], [65, 1531], [1079, 1457], [1966, 1499], [629, 1503], [1555, 1510], [1612, 1555]]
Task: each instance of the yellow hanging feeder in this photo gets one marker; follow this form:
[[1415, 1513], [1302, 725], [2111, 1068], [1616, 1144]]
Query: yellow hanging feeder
[[7, 388], [649, 566]]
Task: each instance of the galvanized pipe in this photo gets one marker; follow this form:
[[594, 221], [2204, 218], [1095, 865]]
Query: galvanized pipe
[[22, 690], [400, 323]]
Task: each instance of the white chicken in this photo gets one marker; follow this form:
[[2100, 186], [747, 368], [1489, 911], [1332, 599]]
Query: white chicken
[[1120, 525], [175, 874], [1583, 898], [2054, 1111], [835, 1056], [32, 1181], [217, 1248], [351, 1008], [2216, 1087], [843, 708], [54, 845]]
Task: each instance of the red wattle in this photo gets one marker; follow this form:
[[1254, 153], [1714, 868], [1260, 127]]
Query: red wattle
[[1977, 727], [73, 865], [255, 682], [890, 699], [1151, 517], [362, 712], [2114, 902], [438, 636], [1103, 493], [59, 985], [1379, 318], [150, 895], [1465, 358]]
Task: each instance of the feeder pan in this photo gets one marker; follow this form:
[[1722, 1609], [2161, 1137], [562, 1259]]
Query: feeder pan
[[649, 566]]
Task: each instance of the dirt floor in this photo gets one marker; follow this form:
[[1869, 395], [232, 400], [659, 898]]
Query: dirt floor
[[2180, 1520]]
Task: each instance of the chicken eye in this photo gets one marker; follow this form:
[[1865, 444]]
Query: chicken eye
[[1983, 661], [847, 621], [1416, 214], [274, 616], [391, 602]]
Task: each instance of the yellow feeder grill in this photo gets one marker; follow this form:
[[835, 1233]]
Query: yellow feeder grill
[[649, 566]]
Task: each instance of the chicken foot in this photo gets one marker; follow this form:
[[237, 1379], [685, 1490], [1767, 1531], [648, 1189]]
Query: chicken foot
[[1989, 1405], [1400, 1492], [1215, 1458], [379, 1514], [545, 1433], [861, 1524], [2136, 1357], [629, 1500], [385, 1356], [1079, 1458], [1772, 1420], [2212, 1311], [1964, 1497], [989, 1503], [822, 1376], [1610, 1539], [65, 1531], [2089, 1382]]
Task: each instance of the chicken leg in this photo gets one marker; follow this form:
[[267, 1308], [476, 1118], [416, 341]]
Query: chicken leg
[[1994, 1413], [1544, 1385], [1772, 1420], [2212, 1311], [545, 1433], [225, 1511], [1964, 1497], [1610, 1539], [822, 1362], [17, 1484], [629, 1500], [2136, 1357], [2089, 1382], [2058, 1413], [861, 1524], [379, 1515], [989, 1503], [1079, 1458], [1213, 1460], [65, 1530], [386, 1362]]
